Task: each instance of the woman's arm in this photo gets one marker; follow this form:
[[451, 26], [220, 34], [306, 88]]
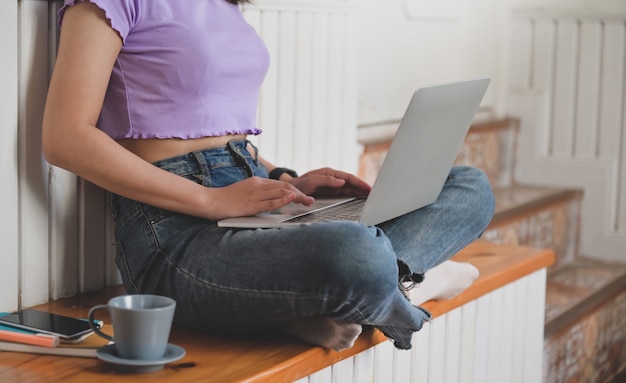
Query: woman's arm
[[87, 52]]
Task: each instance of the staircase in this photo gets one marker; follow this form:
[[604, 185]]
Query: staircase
[[585, 319]]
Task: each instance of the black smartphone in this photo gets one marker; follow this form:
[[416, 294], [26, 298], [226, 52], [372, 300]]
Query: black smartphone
[[66, 328]]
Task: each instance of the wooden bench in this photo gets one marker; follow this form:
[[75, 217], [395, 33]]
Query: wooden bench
[[212, 358]]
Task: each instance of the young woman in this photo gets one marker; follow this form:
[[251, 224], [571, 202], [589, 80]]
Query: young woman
[[153, 100]]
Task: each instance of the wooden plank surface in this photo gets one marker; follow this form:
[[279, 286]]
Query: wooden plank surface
[[213, 358]]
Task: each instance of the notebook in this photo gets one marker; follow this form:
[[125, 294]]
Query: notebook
[[415, 169]]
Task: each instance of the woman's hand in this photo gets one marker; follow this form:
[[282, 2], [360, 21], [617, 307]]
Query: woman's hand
[[329, 182], [255, 195]]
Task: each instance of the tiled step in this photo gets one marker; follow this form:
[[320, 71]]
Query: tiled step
[[539, 217], [585, 333]]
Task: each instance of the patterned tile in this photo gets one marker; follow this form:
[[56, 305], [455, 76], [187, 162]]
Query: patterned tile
[[590, 351], [553, 224], [577, 281]]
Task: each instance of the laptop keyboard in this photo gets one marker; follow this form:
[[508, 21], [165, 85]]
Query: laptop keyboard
[[347, 211]]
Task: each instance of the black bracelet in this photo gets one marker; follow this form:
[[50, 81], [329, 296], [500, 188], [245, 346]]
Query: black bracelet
[[277, 172]]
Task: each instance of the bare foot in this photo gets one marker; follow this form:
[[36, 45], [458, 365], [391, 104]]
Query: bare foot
[[444, 281], [326, 332]]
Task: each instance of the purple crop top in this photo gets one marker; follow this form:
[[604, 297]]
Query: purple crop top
[[187, 69]]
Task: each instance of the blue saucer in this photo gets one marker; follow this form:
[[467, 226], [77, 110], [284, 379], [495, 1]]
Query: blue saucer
[[109, 354]]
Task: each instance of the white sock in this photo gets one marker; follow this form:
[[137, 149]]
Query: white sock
[[326, 332], [444, 281]]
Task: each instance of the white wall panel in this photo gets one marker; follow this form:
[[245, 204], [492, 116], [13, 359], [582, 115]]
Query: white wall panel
[[566, 67], [420, 353], [63, 197], [588, 89], [33, 222], [364, 366], [571, 113], [308, 101], [468, 339], [452, 346], [613, 61], [383, 362], [496, 350], [437, 350], [9, 203]]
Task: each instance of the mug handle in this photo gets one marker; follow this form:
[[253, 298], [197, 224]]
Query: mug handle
[[93, 325]]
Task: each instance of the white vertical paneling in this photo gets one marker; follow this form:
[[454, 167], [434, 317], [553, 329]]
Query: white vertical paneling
[[63, 199], [336, 98], [343, 371], [535, 313], [383, 362], [572, 115], [508, 329], [468, 339], [588, 90], [33, 58], [318, 134], [402, 365], [562, 142], [364, 366], [64, 235], [519, 311], [420, 353], [521, 46], [543, 53], [496, 349], [612, 89], [287, 84], [542, 72], [437, 349], [308, 111], [348, 123], [9, 203], [452, 345], [322, 376], [481, 347], [612, 119], [304, 88]]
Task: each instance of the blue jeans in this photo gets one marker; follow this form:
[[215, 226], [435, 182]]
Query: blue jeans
[[241, 281]]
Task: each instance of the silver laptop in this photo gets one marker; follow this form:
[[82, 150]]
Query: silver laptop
[[415, 169]]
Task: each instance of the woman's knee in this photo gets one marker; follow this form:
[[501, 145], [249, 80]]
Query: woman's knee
[[477, 194], [358, 255]]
